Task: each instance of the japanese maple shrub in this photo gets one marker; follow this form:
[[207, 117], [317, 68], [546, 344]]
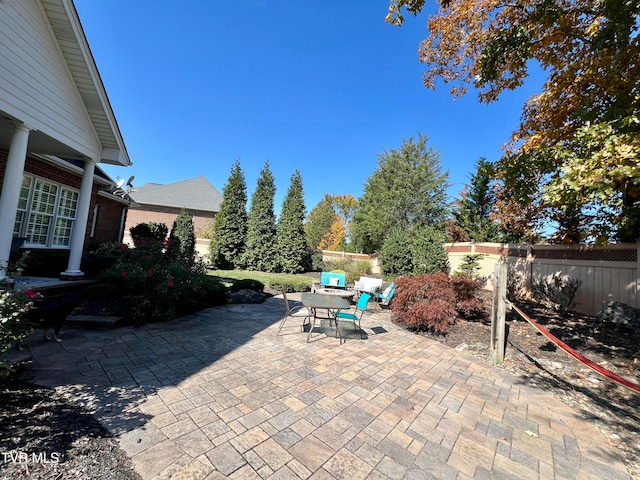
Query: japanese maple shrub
[[435, 301]]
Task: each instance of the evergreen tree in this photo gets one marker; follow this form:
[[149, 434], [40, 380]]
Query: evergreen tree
[[406, 191], [182, 239], [429, 255], [261, 252], [230, 224], [319, 221], [292, 243], [475, 207]]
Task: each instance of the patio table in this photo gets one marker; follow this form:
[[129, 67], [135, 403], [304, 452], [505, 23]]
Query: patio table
[[318, 301]]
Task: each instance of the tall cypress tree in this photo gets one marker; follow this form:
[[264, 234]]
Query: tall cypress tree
[[261, 252], [230, 225], [292, 243]]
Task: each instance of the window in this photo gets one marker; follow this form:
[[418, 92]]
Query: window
[[46, 213]]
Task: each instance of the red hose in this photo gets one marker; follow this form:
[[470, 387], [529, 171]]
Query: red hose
[[581, 358]]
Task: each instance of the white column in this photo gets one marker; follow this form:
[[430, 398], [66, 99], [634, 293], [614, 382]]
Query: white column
[[11, 192], [80, 224]]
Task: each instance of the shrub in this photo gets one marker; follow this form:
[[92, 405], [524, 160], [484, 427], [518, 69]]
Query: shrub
[[149, 236], [317, 264], [470, 266], [396, 257], [183, 238], [434, 301], [429, 255], [163, 286], [290, 285], [557, 291], [247, 284], [13, 306]]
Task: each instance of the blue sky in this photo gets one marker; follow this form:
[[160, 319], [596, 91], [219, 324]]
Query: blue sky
[[322, 86]]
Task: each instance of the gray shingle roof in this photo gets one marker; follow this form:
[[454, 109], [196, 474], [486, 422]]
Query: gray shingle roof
[[193, 194]]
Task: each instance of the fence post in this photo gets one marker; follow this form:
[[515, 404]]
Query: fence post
[[498, 313]]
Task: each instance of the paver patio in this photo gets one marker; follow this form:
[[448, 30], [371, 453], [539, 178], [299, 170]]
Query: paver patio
[[218, 395]]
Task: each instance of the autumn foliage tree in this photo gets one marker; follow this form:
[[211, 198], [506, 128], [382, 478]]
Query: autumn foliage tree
[[319, 221], [334, 238], [578, 138]]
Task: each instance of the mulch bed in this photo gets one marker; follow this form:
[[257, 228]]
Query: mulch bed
[[44, 436]]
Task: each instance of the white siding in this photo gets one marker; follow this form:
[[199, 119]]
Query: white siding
[[35, 83]]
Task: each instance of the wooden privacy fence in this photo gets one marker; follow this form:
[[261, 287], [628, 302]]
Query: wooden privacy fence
[[608, 273]]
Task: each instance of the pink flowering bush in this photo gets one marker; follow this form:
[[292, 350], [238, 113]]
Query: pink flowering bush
[[13, 306], [162, 284]]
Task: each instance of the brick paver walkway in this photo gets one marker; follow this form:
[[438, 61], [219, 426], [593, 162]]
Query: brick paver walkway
[[218, 395]]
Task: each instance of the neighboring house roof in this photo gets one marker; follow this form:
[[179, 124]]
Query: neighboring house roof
[[194, 194]]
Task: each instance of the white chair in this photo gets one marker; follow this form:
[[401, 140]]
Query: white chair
[[298, 311]]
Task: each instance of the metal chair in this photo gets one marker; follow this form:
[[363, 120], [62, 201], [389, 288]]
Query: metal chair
[[297, 311], [355, 316], [385, 297]]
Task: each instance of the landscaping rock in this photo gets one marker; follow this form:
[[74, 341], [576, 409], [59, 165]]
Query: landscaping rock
[[246, 296], [620, 314]]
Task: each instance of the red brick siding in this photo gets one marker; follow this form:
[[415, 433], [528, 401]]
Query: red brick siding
[[166, 215]]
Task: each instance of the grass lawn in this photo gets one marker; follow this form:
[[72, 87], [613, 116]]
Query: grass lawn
[[298, 282]]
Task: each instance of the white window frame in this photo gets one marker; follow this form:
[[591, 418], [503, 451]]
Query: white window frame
[[57, 212]]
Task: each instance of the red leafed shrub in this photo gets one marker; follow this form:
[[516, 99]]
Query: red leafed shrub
[[435, 301]]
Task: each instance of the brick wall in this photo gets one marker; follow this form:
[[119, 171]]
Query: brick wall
[[166, 215]]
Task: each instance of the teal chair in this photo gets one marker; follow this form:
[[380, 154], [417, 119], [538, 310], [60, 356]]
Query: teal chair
[[356, 316], [386, 296]]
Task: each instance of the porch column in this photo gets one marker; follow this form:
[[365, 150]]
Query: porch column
[[11, 192], [80, 224]]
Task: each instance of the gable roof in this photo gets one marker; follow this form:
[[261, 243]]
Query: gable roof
[[193, 194], [50, 134]]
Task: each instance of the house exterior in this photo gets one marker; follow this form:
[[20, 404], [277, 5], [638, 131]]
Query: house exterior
[[56, 125], [158, 203]]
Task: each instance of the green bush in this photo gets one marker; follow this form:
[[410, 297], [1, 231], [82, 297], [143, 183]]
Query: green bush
[[429, 255], [149, 236], [418, 253], [396, 257], [183, 237], [248, 284], [435, 301], [317, 265], [291, 285], [13, 306]]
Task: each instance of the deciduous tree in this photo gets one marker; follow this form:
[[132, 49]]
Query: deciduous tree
[[261, 251], [319, 221], [335, 237], [230, 224], [582, 126]]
